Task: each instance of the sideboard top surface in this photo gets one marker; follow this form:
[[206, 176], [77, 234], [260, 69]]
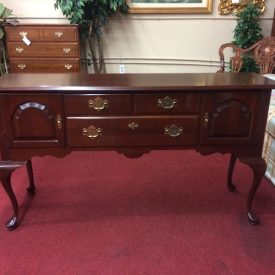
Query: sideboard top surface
[[133, 82]]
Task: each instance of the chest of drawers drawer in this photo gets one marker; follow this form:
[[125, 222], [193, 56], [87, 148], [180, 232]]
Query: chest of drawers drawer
[[19, 65], [16, 33], [47, 49], [60, 34], [132, 131]]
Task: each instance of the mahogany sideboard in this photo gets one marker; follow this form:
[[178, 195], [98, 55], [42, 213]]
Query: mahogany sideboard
[[54, 114]]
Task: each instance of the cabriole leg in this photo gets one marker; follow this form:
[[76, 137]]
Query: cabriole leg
[[258, 166], [31, 188], [230, 184], [6, 170]]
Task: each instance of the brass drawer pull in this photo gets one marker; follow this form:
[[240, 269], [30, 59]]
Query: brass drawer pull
[[133, 125], [98, 104], [23, 34], [21, 66], [68, 66], [59, 121], [167, 102], [19, 49], [66, 50], [173, 130], [58, 34], [92, 132], [205, 119]]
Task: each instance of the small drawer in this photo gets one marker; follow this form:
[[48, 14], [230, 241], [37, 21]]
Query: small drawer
[[61, 33], [14, 33], [19, 65], [132, 131], [43, 49], [97, 104], [167, 103]]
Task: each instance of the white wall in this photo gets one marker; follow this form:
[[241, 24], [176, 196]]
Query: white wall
[[153, 43]]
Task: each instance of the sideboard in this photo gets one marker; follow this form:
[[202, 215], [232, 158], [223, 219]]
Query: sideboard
[[54, 114]]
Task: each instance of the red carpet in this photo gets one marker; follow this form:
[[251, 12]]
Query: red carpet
[[164, 213]]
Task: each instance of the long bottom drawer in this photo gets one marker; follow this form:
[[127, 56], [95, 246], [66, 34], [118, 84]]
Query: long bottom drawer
[[132, 131], [48, 65]]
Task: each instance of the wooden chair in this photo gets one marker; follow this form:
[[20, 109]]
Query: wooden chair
[[273, 25], [263, 52]]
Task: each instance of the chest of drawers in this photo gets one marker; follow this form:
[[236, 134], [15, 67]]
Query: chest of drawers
[[52, 48], [54, 114]]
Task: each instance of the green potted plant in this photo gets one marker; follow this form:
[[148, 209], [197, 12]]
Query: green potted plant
[[246, 33], [4, 13], [92, 15]]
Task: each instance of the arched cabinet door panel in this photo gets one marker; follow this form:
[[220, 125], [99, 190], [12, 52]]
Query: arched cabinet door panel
[[229, 118], [34, 120]]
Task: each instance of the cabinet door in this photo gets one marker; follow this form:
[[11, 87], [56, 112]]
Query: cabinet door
[[229, 118], [34, 120]]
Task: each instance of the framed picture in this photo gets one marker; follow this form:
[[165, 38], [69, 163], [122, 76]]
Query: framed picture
[[236, 6], [170, 6]]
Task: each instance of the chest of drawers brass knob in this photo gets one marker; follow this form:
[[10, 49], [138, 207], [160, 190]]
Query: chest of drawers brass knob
[[58, 34], [21, 66], [167, 102], [68, 66], [19, 49], [66, 50], [173, 130], [23, 34]]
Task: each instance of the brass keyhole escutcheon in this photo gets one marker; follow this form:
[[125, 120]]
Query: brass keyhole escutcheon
[[92, 132], [59, 121], [98, 104], [173, 130], [205, 119], [133, 125], [167, 102]]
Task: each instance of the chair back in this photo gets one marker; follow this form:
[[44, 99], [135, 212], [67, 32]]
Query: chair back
[[263, 51]]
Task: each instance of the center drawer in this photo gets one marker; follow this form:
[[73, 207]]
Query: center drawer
[[20, 49], [132, 131]]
